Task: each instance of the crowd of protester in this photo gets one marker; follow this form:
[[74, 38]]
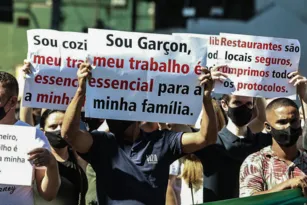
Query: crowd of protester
[[242, 146]]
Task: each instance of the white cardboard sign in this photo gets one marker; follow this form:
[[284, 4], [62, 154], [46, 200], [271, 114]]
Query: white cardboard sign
[[144, 77], [55, 57], [257, 66], [15, 143]]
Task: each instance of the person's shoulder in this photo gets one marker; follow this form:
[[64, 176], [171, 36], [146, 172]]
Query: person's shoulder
[[21, 123], [40, 138], [39, 133], [163, 134], [258, 157], [99, 135], [210, 152]]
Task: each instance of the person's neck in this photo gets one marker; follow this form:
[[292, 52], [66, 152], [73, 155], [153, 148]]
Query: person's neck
[[286, 153], [234, 129], [61, 155], [9, 119]]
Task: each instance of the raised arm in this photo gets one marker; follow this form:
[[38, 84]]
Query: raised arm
[[48, 180], [257, 124], [300, 82], [170, 192], [25, 113], [192, 142], [80, 140]]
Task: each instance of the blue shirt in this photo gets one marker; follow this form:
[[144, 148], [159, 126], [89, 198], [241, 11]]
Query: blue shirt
[[133, 173]]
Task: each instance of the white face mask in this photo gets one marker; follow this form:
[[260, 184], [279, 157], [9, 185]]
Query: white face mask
[[302, 123]]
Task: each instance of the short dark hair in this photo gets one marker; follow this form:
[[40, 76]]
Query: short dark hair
[[279, 102], [45, 115], [9, 83]]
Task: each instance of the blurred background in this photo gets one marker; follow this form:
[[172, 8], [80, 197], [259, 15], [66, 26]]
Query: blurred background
[[277, 18]]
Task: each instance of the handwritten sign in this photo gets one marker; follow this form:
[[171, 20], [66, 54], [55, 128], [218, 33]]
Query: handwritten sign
[[257, 66], [144, 77], [55, 57], [15, 143]]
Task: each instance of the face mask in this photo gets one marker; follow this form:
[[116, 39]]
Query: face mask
[[302, 123], [286, 137], [241, 115], [118, 127], [2, 111], [55, 139]]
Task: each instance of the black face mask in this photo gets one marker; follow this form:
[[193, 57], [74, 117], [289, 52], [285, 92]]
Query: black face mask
[[241, 115], [2, 111], [55, 139], [286, 137]]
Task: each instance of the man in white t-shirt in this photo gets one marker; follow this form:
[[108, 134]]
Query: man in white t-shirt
[[45, 169]]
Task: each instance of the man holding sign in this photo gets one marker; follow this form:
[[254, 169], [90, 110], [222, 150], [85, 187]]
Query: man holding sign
[[136, 161], [235, 142], [46, 170]]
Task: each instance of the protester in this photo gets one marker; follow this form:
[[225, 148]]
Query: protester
[[280, 166], [91, 195], [45, 170], [139, 162], [190, 170], [173, 193], [74, 182], [221, 161], [234, 143]]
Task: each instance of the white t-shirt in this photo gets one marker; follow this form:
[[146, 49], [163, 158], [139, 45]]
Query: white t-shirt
[[175, 171], [22, 195], [174, 168]]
